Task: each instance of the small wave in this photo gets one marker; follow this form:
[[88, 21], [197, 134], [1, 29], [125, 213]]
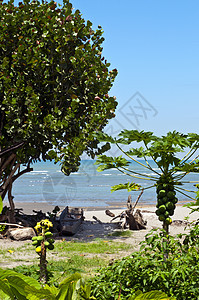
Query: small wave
[[34, 173], [106, 174], [42, 171], [99, 185]]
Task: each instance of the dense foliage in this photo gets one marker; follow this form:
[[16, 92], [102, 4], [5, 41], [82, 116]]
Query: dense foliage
[[148, 270], [169, 172], [54, 85], [17, 286]]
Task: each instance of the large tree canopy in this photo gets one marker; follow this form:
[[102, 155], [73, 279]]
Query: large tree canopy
[[54, 85]]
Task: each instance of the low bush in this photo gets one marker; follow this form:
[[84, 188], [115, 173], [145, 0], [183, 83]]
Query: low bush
[[163, 263]]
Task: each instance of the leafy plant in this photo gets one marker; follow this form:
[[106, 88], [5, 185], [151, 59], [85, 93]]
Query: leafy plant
[[42, 242], [147, 269], [18, 286], [153, 295], [168, 177]]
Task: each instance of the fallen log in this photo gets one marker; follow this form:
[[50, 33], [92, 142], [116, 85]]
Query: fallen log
[[96, 219], [11, 224], [109, 213]]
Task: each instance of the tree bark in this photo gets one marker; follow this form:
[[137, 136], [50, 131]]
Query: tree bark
[[43, 265], [12, 206]]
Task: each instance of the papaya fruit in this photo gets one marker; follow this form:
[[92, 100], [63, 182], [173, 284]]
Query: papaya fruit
[[40, 238], [171, 212], [48, 234], [175, 200], [169, 205], [38, 249], [159, 202], [168, 221], [162, 193], [35, 243], [159, 187], [171, 194], [165, 186], [161, 218], [166, 214], [165, 199], [51, 247], [46, 243], [170, 187], [51, 241], [158, 213], [162, 209]]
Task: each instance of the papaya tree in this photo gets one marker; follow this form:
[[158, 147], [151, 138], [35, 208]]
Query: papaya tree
[[169, 171], [54, 84]]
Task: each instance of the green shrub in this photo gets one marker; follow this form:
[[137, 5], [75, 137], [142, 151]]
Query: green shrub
[[176, 274]]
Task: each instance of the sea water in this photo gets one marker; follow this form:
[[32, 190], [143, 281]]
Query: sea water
[[87, 187]]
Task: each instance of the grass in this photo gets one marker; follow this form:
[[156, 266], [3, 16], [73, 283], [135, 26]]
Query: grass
[[70, 256], [122, 233], [58, 270], [95, 247], [67, 257]]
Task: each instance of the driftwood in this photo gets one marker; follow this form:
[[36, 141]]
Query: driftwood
[[109, 213], [10, 224], [96, 219], [131, 220]]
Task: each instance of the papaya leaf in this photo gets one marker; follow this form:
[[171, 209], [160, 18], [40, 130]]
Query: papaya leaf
[[38, 294], [19, 284], [5, 288], [186, 167], [4, 296], [127, 186], [67, 287], [103, 137], [137, 136], [139, 152], [153, 295]]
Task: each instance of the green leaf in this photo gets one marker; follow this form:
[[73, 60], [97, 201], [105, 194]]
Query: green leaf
[[153, 295], [127, 186], [6, 288], [67, 287]]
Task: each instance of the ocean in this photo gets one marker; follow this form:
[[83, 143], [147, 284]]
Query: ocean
[[85, 188]]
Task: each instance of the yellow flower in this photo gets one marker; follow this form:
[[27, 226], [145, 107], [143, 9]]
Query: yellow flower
[[10, 251], [43, 224], [38, 227], [46, 223]]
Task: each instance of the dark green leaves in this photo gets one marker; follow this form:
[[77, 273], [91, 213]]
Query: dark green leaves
[[137, 136], [164, 151], [54, 83], [108, 162]]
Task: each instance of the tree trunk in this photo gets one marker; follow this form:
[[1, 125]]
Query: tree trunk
[[12, 206], [43, 264]]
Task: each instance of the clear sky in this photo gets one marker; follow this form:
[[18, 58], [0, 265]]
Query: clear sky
[[155, 47]]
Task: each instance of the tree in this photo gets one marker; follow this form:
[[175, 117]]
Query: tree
[[168, 176], [54, 85]]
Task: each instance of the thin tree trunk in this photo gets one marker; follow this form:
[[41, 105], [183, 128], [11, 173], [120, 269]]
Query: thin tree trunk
[[11, 202], [43, 264]]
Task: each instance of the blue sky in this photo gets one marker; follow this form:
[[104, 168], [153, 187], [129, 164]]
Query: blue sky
[[155, 47]]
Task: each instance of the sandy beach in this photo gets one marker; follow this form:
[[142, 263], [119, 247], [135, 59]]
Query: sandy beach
[[92, 230], [180, 212]]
